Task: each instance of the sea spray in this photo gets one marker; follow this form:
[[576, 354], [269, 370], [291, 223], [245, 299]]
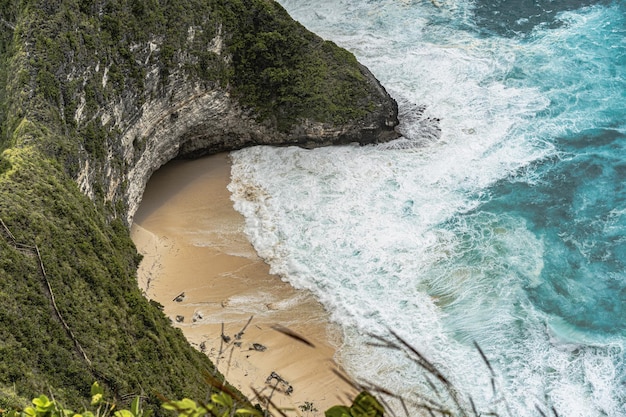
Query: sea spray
[[505, 227]]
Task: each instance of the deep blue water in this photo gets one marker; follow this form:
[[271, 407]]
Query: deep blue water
[[502, 224], [578, 210]]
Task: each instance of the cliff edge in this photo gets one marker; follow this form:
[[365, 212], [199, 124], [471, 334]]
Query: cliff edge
[[95, 95], [133, 84]]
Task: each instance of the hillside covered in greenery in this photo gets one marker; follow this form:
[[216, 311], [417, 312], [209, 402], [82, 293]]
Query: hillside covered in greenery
[[75, 77]]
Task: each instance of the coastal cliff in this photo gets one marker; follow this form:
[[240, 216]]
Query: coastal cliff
[[95, 96], [131, 85]]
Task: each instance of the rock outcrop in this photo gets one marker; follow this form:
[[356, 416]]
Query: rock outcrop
[[215, 82], [191, 121]]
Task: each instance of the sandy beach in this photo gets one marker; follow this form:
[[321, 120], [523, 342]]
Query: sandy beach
[[199, 265]]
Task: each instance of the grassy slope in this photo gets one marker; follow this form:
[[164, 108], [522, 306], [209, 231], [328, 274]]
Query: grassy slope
[[90, 261], [90, 266]]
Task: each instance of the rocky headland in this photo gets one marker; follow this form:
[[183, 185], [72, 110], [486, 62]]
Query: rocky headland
[[94, 97]]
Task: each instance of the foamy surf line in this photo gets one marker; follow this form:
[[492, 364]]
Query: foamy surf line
[[422, 239], [373, 238]]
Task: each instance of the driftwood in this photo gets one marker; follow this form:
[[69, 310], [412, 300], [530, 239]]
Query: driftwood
[[284, 385], [238, 335]]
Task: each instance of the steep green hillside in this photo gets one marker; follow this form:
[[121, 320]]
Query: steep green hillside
[[113, 334], [75, 76]]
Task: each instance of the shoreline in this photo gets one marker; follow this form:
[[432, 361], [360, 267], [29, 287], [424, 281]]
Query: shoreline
[[200, 266]]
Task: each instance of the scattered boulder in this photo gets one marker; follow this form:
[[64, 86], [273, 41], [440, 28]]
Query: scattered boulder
[[258, 347], [197, 316]]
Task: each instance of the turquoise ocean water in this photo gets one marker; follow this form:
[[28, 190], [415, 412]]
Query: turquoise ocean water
[[500, 217]]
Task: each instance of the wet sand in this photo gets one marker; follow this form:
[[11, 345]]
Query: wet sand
[[194, 247]]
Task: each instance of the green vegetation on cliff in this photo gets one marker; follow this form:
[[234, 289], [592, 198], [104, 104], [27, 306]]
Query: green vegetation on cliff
[[116, 336], [70, 309], [271, 63], [288, 73]]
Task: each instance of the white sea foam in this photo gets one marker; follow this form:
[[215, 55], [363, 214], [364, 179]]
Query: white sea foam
[[392, 237]]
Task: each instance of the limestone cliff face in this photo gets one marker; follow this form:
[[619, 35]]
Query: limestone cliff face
[[224, 80], [190, 120]]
